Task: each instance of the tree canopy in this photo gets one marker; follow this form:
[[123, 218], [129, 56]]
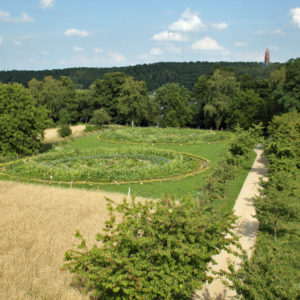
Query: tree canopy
[[175, 105], [22, 121]]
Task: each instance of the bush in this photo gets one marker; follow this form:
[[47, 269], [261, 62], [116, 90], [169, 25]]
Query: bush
[[64, 130], [100, 117], [159, 250], [266, 275], [91, 128]]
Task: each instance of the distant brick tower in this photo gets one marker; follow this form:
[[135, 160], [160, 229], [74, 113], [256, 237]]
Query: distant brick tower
[[267, 57]]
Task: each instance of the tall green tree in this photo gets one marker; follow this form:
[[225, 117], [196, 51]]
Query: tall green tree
[[133, 101], [246, 109], [59, 96], [222, 87], [290, 99], [22, 121], [106, 91], [176, 105], [68, 112]]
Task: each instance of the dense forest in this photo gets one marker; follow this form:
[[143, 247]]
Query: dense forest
[[155, 75]]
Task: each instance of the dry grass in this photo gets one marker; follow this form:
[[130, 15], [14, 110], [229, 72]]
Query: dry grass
[[51, 135], [37, 224]]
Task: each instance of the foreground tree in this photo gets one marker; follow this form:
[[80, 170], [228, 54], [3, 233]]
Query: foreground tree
[[159, 250], [22, 122]]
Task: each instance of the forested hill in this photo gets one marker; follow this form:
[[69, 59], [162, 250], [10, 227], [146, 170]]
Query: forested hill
[[155, 75]]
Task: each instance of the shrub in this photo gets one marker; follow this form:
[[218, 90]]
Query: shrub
[[100, 117], [266, 275], [159, 250], [64, 130]]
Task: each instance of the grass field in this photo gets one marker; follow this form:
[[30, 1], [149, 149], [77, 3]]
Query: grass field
[[37, 221]]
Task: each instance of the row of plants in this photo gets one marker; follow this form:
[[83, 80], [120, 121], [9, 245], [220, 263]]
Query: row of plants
[[274, 271], [104, 165], [160, 249], [164, 135]]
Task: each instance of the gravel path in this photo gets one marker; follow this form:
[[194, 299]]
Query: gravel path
[[247, 227]]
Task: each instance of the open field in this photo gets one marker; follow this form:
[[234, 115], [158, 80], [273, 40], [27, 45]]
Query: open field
[[184, 177], [37, 224], [51, 135], [38, 221]]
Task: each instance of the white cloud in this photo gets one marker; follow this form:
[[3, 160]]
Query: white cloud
[[4, 14], [172, 48], [241, 44], [76, 32], [17, 43], [278, 31], [169, 37], [98, 50], [45, 52], [275, 31], [156, 51], [220, 26], [188, 22], [47, 3], [207, 43], [78, 49], [1, 40], [6, 18], [117, 57], [295, 12]]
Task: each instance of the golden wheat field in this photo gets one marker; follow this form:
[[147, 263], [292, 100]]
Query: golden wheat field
[[37, 225]]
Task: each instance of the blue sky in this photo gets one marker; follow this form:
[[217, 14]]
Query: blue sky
[[48, 34]]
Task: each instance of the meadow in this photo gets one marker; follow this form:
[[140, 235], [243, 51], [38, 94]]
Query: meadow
[[119, 159], [39, 216]]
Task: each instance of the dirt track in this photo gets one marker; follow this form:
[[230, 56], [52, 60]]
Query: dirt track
[[247, 227]]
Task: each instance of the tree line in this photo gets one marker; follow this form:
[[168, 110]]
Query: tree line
[[155, 74], [220, 100]]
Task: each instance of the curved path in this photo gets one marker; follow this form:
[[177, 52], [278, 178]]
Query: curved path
[[247, 227]]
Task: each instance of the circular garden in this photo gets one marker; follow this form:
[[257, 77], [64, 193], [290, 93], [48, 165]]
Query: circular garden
[[105, 166]]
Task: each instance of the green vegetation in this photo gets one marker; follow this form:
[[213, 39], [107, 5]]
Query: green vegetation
[[100, 117], [64, 130], [105, 165], [22, 122], [155, 75], [159, 250], [175, 105], [164, 135], [274, 271], [198, 95]]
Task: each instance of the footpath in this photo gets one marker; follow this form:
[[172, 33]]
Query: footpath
[[246, 229]]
